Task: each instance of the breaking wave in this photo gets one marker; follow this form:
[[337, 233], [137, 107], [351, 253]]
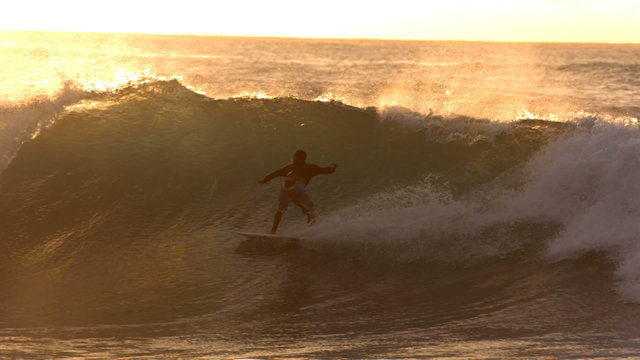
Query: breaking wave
[[102, 178]]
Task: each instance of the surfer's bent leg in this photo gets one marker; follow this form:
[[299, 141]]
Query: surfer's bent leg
[[283, 200], [298, 194], [283, 203]]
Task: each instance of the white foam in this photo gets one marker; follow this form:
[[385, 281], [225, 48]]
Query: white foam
[[586, 182], [410, 224], [590, 182]]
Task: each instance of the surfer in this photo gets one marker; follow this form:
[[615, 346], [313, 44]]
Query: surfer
[[297, 176]]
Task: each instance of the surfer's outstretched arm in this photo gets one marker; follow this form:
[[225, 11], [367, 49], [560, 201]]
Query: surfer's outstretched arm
[[326, 170], [280, 172]]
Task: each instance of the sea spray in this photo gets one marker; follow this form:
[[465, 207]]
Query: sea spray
[[20, 122]]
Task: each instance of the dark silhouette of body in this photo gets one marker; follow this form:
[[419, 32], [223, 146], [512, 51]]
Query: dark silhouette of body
[[297, 175]]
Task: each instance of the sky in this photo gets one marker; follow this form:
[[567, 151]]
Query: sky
[[490, 20]]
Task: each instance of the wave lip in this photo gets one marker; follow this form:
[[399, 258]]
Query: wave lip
[[22, 122]]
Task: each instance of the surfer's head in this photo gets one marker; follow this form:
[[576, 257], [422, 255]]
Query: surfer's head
[[299, 157]]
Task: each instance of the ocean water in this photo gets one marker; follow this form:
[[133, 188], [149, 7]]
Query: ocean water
[[487, 204]]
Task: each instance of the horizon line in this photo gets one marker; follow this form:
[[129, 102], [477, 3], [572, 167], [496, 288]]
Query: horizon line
[[324, 38]]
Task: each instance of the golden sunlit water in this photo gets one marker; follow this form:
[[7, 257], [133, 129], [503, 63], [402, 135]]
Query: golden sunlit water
[[483, 206]]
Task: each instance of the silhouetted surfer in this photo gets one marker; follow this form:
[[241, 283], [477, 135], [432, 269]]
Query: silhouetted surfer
[[297, 177]]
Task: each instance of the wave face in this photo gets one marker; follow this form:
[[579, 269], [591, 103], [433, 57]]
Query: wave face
[[121, 211], [158, 154]]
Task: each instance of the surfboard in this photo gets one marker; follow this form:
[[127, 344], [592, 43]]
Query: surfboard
[[276, 237], [259, 243]]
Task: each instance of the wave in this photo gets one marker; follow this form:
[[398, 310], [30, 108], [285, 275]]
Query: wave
[[154, 168], [163, 145]]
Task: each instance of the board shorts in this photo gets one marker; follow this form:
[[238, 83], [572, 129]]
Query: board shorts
[[296, 193]]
